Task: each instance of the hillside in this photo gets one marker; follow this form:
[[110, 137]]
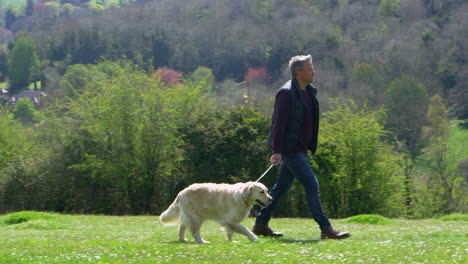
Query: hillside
[[359, 47]]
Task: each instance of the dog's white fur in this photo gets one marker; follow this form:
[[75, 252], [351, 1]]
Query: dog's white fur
[[228, 204]]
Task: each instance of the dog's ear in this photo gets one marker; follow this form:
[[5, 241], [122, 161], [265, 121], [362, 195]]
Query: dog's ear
[[246, 191]]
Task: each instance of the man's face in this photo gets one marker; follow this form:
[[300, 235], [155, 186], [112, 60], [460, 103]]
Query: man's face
[[307, 73]]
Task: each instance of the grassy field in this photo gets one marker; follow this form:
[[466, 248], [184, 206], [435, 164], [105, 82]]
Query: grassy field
[[31, 237]]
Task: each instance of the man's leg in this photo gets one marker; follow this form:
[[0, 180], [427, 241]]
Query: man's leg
[[301, 169], [279, 190], [297, 163]]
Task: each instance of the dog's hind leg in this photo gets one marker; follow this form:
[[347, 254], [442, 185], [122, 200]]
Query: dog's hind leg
[[236, 227], [229, 232], [182, 229], [195, 225]]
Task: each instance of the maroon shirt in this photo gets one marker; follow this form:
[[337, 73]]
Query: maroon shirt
[[283, 107]]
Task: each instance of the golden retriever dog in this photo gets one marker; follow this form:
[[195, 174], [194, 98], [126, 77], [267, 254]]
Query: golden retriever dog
[[227, 204]]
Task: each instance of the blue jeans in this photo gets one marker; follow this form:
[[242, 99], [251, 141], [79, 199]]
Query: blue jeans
[[295, 166]]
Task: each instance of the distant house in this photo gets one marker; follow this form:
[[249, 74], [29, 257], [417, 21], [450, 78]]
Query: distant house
[[33, 96]]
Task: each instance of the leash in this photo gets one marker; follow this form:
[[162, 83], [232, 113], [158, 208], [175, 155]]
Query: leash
[[271, 166]]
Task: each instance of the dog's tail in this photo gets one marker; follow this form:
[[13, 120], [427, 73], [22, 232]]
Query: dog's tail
[[171, 215]]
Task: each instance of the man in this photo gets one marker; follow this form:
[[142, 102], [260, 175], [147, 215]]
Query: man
[[294, 130]]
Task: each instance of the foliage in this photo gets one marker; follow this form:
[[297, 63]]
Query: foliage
[[118, 135], [8, 140], [359, 173], [23, 64], [77, 77], [389, 8], [140, 239], [127, 137], [226, 146]]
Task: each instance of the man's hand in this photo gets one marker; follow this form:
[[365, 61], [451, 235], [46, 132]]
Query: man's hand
[[275, 159]]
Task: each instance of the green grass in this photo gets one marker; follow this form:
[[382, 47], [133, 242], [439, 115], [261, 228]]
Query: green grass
[[56, 238]]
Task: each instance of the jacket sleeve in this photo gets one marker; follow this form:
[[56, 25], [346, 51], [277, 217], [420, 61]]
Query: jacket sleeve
[[282, 108]]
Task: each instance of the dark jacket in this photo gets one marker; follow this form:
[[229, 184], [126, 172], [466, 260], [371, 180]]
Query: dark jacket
[[292, 130]]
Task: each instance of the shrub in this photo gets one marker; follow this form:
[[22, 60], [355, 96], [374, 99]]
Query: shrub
[[23, 216], [368, 219], [454, 217]]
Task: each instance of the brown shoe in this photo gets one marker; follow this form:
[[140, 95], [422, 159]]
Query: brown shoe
[[260, 230], [334, 234]]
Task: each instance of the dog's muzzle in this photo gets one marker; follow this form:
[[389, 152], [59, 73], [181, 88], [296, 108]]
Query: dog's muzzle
[[262, 204]]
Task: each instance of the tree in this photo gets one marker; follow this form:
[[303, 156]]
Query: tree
[[29, 8], [366, 84], [358, 171], [167, 76], [10, 19], [203, 73], [439, 188], [438, 123], [407, 100], [24, 110], [24, 64]]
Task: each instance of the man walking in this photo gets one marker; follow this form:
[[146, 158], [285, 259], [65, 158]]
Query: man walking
[[294, 131]]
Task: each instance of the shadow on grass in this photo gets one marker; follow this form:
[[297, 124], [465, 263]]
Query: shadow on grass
[[297, 241], [279, 240]]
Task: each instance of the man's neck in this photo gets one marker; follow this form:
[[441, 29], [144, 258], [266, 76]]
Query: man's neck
[[302, 84]]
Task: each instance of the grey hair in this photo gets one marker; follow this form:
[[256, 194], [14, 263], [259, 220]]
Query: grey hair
[[297, 62]]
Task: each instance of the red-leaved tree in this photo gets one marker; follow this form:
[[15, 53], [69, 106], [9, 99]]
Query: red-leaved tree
[[257, 75], [167, 76]]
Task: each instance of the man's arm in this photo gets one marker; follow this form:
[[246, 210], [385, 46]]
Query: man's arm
[[279, 126]]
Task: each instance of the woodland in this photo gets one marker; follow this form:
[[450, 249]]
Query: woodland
[[142, 98]]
